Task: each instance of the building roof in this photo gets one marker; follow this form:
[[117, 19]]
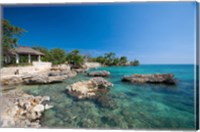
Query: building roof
[[26, 50]]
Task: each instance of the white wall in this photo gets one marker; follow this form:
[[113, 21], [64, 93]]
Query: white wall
[[36, 67], [92, 64]]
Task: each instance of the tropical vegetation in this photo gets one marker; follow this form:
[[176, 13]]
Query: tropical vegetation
[[109, 59], [10, 36], [135, 63], [75, 58]]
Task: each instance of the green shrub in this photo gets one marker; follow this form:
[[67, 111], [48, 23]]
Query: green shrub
[[57, 56]]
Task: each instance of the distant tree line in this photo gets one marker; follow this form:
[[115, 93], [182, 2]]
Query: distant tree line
[[59, 56], [109, 59]]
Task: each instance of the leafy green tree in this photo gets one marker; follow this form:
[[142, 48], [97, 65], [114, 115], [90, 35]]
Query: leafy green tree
[[116, 61], [45, 51], [123, 60], [109, 57], [135, 63], [10, 36], [75, 58], [75, 52], [101, 60], [78, 60], [57, 56]]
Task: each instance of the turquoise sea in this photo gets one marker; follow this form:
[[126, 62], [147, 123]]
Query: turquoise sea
[[145, 106]]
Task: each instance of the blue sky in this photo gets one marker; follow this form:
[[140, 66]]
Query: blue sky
[[154, 33]]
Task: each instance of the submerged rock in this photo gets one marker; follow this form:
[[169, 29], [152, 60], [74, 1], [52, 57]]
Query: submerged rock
[[90, 88], [115, 121], [99, 74], [106, 102], [88, 123], [150, 78], [19, 109]]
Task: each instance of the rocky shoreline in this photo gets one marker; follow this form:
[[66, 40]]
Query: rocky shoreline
[[19, 109], [53, 75]]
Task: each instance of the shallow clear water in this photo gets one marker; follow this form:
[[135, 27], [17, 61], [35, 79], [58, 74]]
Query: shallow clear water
[[146, 106]]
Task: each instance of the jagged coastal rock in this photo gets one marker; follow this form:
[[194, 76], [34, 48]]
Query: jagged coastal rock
[[151, 78], [61, 68], [90, 88], [54, 75], [99, 74], [42, 73], [44, 79], [12, 80], [72, 74], [19, 109], [80, 70]]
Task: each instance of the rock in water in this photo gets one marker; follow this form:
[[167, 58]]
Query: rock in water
[[90, 88], [99, 74], [151, 78]]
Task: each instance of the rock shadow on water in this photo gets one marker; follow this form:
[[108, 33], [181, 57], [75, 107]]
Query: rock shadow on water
[[164, 89], [153, 85], [118, 82]]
